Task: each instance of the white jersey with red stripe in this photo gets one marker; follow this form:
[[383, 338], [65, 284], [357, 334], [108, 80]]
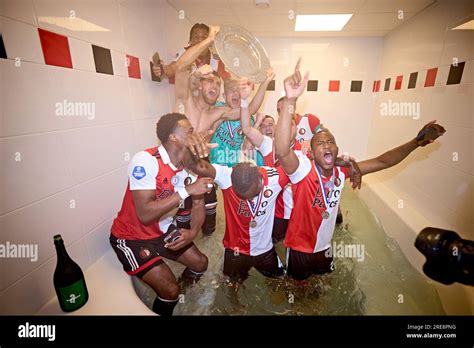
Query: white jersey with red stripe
[[239, 235], [284, 203], [151, 169], [316, 233], [306, 126]]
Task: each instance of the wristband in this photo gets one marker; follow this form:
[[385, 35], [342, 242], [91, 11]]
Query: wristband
[[244, 103], [183, 193]]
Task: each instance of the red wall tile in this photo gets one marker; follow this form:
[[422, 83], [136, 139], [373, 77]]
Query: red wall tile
[[55, 49], [133, 67], [431, 77], [398, 82], [334, 86]]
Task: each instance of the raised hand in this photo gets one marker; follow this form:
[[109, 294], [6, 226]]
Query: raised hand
[[270, 75], [245, 87], [213, 30], [198, 143], [295, 84], [429, 133]]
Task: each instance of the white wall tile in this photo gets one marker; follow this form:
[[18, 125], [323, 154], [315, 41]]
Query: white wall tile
[[29, 226], [60, 86], [97, 241], [145, 133], [81, 55], [119, 63], [100, 199], [22, 11], [104, 14], [21, 41], [41, 171], [94, 151]]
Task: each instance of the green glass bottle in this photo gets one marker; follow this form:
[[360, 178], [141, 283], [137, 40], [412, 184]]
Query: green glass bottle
[[68, 279]]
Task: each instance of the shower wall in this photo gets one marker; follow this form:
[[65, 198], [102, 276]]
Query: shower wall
[[340, 89], [72, 114], [427, 73]]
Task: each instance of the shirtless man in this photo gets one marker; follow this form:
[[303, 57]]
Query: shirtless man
[[198, 32], [196, 94]]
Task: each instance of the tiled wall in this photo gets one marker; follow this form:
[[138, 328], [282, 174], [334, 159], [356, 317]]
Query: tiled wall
[[66, 173], [437, 180], [332, 63]]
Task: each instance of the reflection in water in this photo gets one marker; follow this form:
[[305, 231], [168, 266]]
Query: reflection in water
[[383, 283]]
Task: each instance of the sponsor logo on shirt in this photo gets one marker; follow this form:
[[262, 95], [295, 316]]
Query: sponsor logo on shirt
[[138, 172]]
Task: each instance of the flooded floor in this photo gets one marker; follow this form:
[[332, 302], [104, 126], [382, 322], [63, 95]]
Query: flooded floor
[[378, 281]]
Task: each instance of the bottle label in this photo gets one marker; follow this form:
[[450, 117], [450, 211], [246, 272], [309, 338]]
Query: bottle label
[[73, 296]]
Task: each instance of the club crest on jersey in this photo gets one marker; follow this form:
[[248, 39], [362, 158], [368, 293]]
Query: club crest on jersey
[[138, 172], [187, 181], [302, 131], [144, 253], [337, 182], [175, 180], [267, 193]]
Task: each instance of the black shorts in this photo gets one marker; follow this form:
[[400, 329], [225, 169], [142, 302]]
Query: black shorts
[[301, 265], [279, 229], [237, 266], [139, 256]]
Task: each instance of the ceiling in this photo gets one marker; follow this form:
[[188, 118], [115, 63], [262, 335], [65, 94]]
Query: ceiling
[[371, 17]]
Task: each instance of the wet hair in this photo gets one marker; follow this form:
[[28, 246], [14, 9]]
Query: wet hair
[[243, 176], [268, 116], [321, 130], [167, 124], [196, 27], [228, 82]]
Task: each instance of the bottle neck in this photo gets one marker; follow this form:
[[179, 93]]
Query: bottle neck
[[61, 251]]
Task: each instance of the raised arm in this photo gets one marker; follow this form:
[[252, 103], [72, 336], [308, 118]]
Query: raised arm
[[427, 135], [294, 87], [257, 99], [252, 134], [184, 63]]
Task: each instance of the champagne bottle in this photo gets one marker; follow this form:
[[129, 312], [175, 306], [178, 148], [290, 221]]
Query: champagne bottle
[[68, 279]]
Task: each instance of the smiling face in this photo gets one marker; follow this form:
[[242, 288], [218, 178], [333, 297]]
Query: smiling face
[[267, 127], [232, 93], [325, 150], [210, 87]]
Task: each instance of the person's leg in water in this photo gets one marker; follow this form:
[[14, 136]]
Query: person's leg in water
[[269, 264], [210, 199], [236, 268], [196, 264], [339, 218], [164, 283]]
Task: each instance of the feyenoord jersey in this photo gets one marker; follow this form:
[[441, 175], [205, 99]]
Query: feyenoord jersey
[[240, 235], [306, 126], [308, 231], [149, 170], [284, 203]]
